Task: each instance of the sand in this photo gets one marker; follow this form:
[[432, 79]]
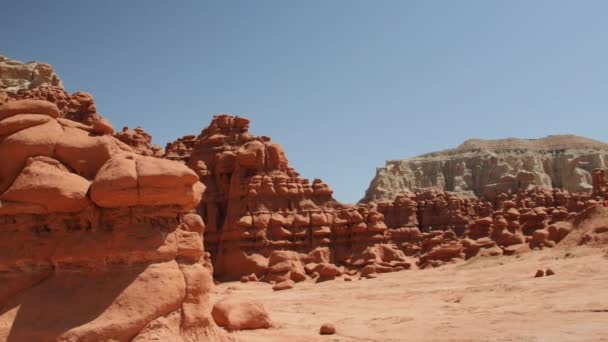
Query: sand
[[482, 299]]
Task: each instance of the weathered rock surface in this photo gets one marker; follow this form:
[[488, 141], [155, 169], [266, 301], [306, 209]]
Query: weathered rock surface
[[180, 149], [78, 107], [140, 141], [16, 76], [436, 227], [259, 210], [80, 111], [38, 81], [96, 241], [241, 314], [265, 222], [486, 168]]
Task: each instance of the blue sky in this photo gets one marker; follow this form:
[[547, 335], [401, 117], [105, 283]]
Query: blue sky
[[342, 85]]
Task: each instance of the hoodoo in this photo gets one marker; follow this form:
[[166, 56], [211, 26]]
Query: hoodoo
[[264, 219]]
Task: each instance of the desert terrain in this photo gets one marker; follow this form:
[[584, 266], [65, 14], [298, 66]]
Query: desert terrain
[[482, 299], [105, 237]]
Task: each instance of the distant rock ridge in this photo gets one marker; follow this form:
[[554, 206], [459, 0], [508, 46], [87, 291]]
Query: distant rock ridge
[[16, 76], [485, 168]]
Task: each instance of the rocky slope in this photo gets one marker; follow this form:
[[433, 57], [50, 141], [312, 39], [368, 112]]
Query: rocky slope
[[486, 168]]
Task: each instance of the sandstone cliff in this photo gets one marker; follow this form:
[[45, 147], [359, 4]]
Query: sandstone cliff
[[263, 218], [486, 168], [97, 243]]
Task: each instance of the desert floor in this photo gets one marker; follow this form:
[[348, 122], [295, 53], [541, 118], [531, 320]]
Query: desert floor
[[483, 299]]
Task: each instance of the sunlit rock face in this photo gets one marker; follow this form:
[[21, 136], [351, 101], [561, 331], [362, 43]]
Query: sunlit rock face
[[489, 167], [16, 76], [255, 206], [97, 242]]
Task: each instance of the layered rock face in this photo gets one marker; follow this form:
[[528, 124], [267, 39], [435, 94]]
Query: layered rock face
[[180, 149], [264, 222], [486, 168], [140, 141], [262, 218], [16, 76], [79, 107], [97, 243], [435, 226]]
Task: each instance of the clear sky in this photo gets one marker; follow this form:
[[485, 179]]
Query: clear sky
[[342, 85]]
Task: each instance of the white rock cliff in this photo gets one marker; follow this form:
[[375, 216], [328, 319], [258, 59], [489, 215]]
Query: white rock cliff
[[15, 75], [487, 167]]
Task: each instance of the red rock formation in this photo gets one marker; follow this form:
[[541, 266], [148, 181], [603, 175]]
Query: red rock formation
[[180, 149], [263, 220], [438, 226], [79, 107], [140, 141], [97, 242], [255, 204]]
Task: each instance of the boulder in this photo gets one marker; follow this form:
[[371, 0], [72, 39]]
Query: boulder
[[284, 285], [46, 182], [10, 108], [327, 329], [235, 313]]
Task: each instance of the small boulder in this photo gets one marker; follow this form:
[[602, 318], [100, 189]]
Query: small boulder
[[28, 106], [235, 313], [297, 276], [539, 273], [327, 329], [284, 285], [549, 272]]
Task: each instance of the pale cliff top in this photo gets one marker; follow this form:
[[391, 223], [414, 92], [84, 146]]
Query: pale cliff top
[[550, 142], [546, 144], [16, 76]]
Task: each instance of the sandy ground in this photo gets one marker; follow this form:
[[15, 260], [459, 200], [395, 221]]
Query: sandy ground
[[483, 299]]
